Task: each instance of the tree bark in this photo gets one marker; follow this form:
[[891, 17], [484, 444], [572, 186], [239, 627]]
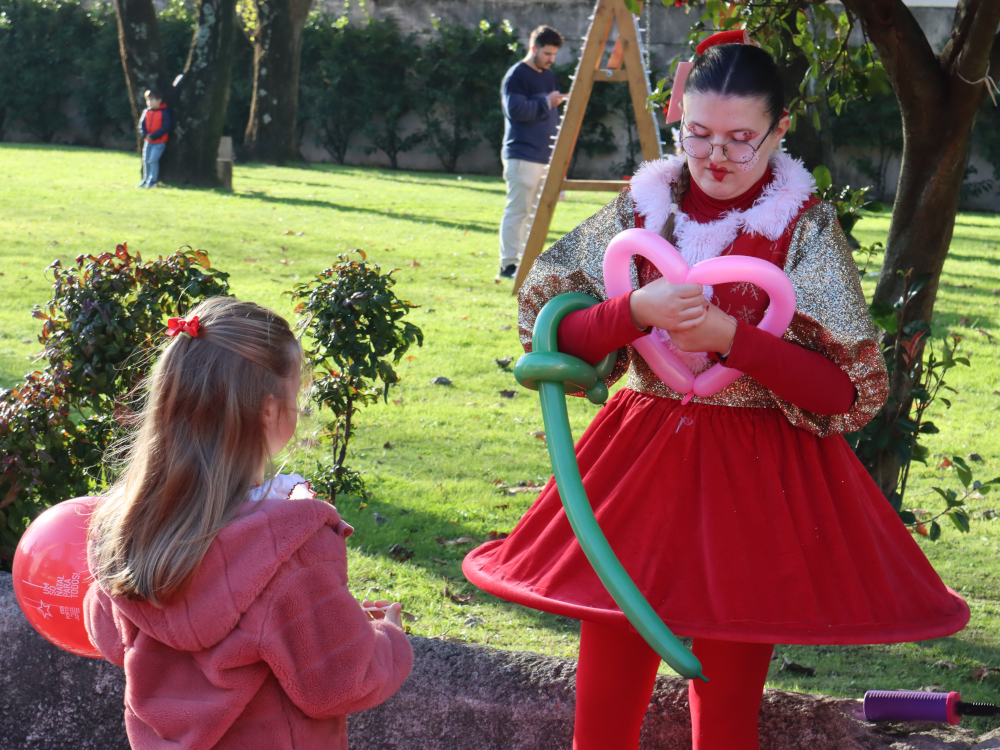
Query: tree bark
[[200, 98], [142, 53], [272, 133], [939, 111]]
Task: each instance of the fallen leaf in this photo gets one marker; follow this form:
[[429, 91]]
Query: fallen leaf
[[931, 689], [439, 560], [397, 401], [251, 260], [380, 520], [398, 552], [288, 231], [979, 674], [413, 264], [300, 234], [362, 506], [387, 446], [411, 358], [975, 457], [502, 507], [473, 622], [440, 380], [459, 598], [456, 542], [284, 261], [787, 665], [945, 664], [508, 394], [504, 328], [922, 530], [945, 463], [494, 535], [408, 617]]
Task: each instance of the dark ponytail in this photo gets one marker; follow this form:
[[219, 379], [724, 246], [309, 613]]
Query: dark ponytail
[[739, 70]]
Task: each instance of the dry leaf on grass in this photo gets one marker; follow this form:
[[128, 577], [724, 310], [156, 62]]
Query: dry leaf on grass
[[494, 535], [440, 561], [945, 664], [508, 394], [459, 598], [980, 673], [401, 553], [456, 542]]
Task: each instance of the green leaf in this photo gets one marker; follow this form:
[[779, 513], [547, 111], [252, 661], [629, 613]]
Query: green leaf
[[928, 428], [907, 517], [934, 533], [961, 520], [823, 178]]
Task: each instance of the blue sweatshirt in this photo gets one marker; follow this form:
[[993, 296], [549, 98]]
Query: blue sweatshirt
[[530, 121]]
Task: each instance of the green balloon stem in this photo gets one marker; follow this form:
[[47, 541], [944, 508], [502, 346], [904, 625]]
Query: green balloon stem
[[552, 392]]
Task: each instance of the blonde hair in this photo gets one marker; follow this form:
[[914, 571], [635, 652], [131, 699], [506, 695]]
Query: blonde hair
[[199, 448]]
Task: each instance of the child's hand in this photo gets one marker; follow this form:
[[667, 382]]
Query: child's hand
[[715, 334], [672, 307], [383, 610]]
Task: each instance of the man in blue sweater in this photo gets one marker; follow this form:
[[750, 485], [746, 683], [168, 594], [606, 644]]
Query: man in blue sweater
[[530, 105]]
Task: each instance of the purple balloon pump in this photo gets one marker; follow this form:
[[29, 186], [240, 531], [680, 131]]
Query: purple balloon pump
[[911, 705]]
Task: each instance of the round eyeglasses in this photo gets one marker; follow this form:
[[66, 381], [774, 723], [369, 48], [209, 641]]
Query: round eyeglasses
[[738, 152]]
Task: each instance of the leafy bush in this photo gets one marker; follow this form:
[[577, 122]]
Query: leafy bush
[[106, 317], [44, 455], [460, 73], [358, 79], [354, 330]]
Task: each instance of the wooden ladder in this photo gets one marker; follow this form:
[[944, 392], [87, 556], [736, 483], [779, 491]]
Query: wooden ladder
[[628, 49]]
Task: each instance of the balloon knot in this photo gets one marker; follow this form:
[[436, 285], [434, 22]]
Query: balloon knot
[[687, 398]]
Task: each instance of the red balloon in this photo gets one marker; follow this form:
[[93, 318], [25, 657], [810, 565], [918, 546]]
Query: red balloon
[[51, 575]]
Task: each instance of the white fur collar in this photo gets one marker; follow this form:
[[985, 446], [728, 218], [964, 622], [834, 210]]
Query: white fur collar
[[769, 216]]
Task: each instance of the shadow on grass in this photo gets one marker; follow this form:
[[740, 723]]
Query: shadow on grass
[[366, 211]]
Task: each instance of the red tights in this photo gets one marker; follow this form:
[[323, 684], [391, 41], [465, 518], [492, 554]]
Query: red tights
[[614, 682]]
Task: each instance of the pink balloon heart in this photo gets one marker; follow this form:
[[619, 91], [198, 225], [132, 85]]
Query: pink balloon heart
[[667, 365]]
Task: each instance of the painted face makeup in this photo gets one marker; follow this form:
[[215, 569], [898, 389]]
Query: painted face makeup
[[725, 120]]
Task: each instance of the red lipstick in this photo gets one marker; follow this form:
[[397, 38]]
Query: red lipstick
[[718, 172]]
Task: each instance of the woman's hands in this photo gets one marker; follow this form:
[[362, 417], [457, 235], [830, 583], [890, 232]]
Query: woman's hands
[[680, 309], [383, 610], [714, 334], [672, 307]]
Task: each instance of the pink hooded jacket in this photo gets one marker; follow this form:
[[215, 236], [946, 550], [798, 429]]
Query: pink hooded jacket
[[267, 649]]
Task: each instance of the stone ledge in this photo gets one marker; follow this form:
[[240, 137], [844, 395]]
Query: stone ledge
[[460, 697]]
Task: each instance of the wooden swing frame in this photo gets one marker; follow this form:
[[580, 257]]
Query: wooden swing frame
[[627, 50]]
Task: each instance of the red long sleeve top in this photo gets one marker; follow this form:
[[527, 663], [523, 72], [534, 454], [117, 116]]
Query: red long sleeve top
[[796, 374]]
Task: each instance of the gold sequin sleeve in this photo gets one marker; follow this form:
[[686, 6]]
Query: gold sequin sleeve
[[575, 264], [831, 317]]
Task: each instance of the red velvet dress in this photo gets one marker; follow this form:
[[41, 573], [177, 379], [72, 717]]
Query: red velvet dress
[[735, 524]]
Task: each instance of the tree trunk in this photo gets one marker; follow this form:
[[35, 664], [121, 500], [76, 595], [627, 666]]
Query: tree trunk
[[201, 97], [199, 100], [272, 135], [142, 54], [939, 112]]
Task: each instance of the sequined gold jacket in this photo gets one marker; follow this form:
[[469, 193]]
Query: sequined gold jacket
[[831, 316]]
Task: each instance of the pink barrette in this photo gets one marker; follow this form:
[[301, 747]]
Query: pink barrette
[[673, 108], [187, 327]]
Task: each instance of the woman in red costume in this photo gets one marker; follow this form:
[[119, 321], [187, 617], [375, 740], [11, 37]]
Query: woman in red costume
[[743, 517]]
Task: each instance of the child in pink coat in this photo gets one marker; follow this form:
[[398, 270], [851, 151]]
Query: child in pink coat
[[228, 604]]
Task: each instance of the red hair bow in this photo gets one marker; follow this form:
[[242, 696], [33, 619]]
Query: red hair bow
[[188, 327]]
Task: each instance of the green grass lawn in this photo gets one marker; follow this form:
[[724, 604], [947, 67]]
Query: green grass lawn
[[433, 454]]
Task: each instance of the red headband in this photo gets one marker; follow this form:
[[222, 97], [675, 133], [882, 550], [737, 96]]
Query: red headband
[[673, 108]]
